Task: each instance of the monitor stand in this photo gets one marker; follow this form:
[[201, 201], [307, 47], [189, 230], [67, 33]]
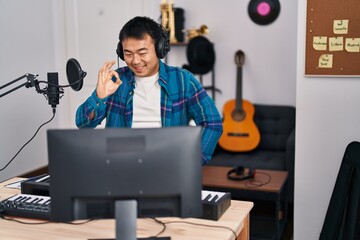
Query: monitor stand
[[126, 217]]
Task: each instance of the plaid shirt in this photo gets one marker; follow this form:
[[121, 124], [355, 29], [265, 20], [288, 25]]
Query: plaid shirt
[[182, 99]]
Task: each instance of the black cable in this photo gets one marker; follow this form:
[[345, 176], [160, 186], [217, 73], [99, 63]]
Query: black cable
[[256, 183], [40, 223], [54, 111], [162, 223], [196, 224], [18, 221], [59, 86]]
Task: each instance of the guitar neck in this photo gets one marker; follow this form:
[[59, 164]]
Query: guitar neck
[[238, 102]]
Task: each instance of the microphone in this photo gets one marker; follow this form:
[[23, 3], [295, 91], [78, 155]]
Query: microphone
[[52, 91], [75, 74]]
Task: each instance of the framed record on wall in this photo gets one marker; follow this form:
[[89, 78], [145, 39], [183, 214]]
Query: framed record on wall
[[264, 12]]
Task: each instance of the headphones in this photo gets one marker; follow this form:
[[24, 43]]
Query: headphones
[[240, 173], [162, 45]]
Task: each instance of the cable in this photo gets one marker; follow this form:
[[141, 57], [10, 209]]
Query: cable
[[40, 223], [54, 111], [59, 86], [162, 230], [18, 221], [195, 224], [256, 183]]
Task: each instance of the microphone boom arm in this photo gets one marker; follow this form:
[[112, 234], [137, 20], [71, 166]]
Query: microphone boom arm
[[31, 82]]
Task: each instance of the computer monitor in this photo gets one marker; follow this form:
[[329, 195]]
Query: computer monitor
[[125, 173]]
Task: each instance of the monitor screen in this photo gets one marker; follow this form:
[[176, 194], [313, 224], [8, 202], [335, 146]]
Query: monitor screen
[[125, 173]]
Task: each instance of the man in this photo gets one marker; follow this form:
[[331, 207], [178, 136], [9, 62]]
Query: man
[[148, 93]]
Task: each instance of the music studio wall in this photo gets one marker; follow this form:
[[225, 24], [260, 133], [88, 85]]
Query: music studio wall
[[27, 46]]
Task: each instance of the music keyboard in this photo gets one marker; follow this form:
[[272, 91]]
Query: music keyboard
[[26, 205], [39, 207], [215, 204]]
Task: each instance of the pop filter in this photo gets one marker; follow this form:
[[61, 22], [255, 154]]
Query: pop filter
[[75, 74]]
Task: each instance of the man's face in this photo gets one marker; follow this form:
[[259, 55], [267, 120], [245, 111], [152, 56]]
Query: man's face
[[140, 56]]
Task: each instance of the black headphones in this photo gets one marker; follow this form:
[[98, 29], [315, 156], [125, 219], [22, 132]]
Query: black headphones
[[162, 45], [240, 173]]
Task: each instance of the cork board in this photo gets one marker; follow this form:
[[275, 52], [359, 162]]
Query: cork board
[[332, 38]]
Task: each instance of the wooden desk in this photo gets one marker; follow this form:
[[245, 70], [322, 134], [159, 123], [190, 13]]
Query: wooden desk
[[235, 218]]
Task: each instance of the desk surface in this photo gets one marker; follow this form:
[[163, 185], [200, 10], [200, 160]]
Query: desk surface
[[235, 218], [216, 176]]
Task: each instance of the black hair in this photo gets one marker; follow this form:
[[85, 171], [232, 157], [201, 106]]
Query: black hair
[[138, 27]]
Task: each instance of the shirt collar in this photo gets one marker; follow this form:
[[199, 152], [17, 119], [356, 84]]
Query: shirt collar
[[163, 75]]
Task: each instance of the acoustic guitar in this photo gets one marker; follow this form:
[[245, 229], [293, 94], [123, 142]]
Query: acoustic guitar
[[240, 132]]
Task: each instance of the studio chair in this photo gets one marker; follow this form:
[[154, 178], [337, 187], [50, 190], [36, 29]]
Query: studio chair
[[342, 220]]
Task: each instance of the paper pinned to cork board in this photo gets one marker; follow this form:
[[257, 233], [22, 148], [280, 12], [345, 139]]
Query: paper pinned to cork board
[[332, 38]]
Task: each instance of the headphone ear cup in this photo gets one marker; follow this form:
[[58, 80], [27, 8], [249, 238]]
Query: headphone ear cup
[[162, 46], [240, 173], [251, 173], [119, 51], [239, 170]]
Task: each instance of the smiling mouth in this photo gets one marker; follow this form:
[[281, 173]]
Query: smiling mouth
[[138, 68]]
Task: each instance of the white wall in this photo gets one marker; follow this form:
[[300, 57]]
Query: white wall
[[327, 121], [269, 69], [27, 45]]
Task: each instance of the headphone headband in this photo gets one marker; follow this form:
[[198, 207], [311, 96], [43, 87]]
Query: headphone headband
[[162, 45], [239, 173]]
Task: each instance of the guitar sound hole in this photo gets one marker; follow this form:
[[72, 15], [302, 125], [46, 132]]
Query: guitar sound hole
[[238, 115]]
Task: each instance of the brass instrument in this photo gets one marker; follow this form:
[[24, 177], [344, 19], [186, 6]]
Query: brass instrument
[[168, 18], [191, 33]]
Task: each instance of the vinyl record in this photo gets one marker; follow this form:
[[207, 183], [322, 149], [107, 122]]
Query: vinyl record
[[264, 12]]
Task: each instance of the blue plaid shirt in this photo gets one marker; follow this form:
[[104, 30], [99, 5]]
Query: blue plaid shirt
[[182, 99]]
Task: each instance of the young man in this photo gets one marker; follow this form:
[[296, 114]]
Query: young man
[[148, 93]]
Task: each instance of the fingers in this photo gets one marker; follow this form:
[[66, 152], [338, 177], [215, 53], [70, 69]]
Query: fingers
[[105, 85], [105, 71], [109, 64], [116, 75]]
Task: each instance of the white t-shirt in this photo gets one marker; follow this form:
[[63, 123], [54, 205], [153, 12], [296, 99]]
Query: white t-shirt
[[146, 102]]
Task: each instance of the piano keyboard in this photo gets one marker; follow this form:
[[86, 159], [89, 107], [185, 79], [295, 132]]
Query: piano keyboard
[[211, 196], [215, 204], [26, 205], [35, 206]]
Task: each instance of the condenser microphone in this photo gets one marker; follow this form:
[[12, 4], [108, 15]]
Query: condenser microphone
[[52, 91]]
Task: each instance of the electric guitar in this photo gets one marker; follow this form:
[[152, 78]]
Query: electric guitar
[[240, 132]]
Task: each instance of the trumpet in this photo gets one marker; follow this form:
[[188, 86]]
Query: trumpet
[[191, 33]]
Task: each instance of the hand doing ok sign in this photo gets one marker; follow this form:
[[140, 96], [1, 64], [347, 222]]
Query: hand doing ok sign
[[105, 85]]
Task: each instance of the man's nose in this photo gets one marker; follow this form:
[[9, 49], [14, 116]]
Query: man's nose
[[136, 58]]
